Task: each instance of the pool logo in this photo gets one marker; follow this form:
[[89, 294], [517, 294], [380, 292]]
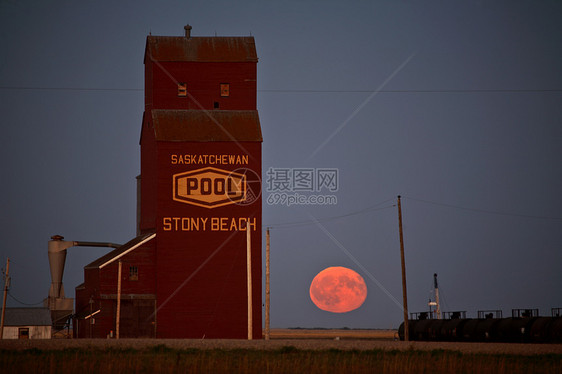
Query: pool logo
[[209, 187]]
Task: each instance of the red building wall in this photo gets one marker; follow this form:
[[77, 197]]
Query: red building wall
[[201, 272], [203, 80], [202, 278], [100, 285], [148, 176]]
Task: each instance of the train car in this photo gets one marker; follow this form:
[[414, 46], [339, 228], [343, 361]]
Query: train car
[[507, 330], [452, 329], [513, 330], [479, 330], [555, 330]]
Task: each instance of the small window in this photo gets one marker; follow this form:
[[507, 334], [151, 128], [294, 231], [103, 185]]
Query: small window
[[216, 105], [225, 89], [182, 89], [133, 273], [23, 333]]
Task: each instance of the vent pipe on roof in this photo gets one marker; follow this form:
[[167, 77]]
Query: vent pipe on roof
[[187, 29]]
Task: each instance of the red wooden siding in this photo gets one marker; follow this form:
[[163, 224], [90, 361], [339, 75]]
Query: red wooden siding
[[101, 286], [201, 287], [191, 282]]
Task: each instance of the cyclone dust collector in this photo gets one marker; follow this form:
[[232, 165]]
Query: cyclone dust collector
[[60, 306]]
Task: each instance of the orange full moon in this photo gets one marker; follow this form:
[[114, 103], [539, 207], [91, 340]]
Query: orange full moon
[[338, 290]]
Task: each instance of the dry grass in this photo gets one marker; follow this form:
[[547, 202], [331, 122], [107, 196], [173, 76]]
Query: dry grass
[[333, 334], [162, 359], [289, 351]]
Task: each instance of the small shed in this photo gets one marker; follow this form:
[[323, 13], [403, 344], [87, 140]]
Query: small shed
[[27, 323]]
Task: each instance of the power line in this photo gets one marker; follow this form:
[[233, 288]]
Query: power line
[[38, 88], [483, 210], [515, 90], [371, 208], [377, 207], [305, 91], [21, 302]]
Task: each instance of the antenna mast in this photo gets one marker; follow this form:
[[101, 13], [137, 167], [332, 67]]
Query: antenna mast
[[436, 302]]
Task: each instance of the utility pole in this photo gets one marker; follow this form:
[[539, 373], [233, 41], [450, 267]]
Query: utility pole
[[267, 284], [249, 275], [118, 316], [91, 320], [6, 283], [404, 291]]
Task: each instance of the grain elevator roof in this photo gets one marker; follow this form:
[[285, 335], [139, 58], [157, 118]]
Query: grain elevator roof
[[201, 49], [206, 125]]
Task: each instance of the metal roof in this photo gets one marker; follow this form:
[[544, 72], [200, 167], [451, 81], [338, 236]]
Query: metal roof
[[27, 317], [121, 251], [206, 125], [201, 49]]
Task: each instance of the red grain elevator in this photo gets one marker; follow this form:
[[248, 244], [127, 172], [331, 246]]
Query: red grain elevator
[[185, 274]]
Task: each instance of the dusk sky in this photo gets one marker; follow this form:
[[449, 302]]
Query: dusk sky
[[454, 105]]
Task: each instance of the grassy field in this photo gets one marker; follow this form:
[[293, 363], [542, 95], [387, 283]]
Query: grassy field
[[333, 334], [162, 359], [289, 351]]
